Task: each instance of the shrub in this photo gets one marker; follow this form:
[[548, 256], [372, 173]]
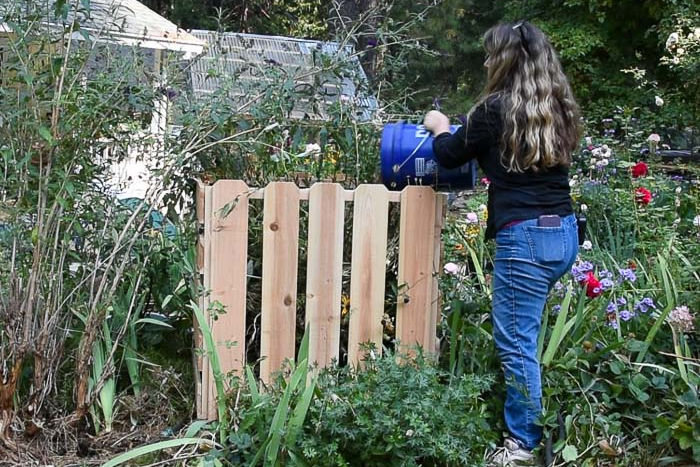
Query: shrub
[[397, 414], [387, 413]]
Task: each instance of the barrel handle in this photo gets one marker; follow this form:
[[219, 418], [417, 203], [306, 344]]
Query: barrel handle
[[420, 145]]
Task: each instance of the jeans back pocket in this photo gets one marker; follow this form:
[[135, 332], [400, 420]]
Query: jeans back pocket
[[547, 244]]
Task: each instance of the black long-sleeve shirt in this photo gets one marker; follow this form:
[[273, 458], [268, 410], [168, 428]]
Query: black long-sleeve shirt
[[512, 196]]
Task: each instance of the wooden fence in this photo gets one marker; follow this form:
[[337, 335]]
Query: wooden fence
[[222, 210]]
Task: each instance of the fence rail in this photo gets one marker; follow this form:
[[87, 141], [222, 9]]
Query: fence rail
[[223, 213]]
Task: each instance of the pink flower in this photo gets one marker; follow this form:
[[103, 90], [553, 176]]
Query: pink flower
[[485, 181], [472, 218], [452, 269], [654, 138]]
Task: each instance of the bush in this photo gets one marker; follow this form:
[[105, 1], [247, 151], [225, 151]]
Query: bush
[[387, 413], [395, 414]]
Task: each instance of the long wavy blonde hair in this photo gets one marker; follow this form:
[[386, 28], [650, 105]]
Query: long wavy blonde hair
[[540, 114]]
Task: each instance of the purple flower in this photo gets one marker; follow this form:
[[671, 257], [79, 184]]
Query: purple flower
[[605, 273], [556, 309], [621, 301], [644, 305], [611, 307], [613, 324], [625, 315], [628, 275], [606, 283], [580, 270], [558, 286]]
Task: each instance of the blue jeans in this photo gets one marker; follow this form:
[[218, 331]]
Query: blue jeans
[[529, 260]]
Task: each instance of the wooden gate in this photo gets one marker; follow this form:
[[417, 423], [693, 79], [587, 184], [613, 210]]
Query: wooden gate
[[222, 210]]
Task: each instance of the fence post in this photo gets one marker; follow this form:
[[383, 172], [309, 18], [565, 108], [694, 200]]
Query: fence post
[[228, 274], [324, 272], [414, 321], [279, 276], [368, 268]]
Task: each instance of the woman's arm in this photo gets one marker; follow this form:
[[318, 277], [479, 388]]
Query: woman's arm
[[468, 142]]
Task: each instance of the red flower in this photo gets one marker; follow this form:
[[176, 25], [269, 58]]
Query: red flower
[[485, 181], [593, 288], [642, 195], [640, 169]]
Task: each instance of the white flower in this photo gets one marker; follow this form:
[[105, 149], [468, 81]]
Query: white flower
[[677, 203], [672, 39], [654, 138], [678, 190], [409, 433], [696, 221], [572, 183], [681, 319], [587, 245], [481, 208], [589, 140], [680, 51], [452, 269], [697, 32], [603, 151], [312, 149], [584, 207], [604, 162], [593, 160], [658, 101]]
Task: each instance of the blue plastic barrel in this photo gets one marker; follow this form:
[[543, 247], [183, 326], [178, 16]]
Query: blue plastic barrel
[[407, 159]]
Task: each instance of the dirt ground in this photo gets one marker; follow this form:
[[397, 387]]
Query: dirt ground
[[138, 420]]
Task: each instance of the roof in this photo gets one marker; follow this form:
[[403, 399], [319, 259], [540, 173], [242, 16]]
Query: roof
[[129, 22], [252, 60]]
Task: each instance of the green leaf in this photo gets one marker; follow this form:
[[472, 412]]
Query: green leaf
[[559, 331], [142, 450], [195, 427], [215, 364], [638, 393], [569, 453], [154, 321], [46, 134], [252, 384], [299, 415]]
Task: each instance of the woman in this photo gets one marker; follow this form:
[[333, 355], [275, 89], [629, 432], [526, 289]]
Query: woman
[[522, 132]]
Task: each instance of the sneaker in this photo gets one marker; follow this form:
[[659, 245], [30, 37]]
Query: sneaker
[[511, 454]]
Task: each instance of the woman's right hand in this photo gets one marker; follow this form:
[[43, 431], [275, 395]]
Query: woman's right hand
[[436, 122]]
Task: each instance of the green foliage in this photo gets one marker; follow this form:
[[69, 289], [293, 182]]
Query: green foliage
[[384, 414], [296, 18], [390, 413], [265, 142]]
